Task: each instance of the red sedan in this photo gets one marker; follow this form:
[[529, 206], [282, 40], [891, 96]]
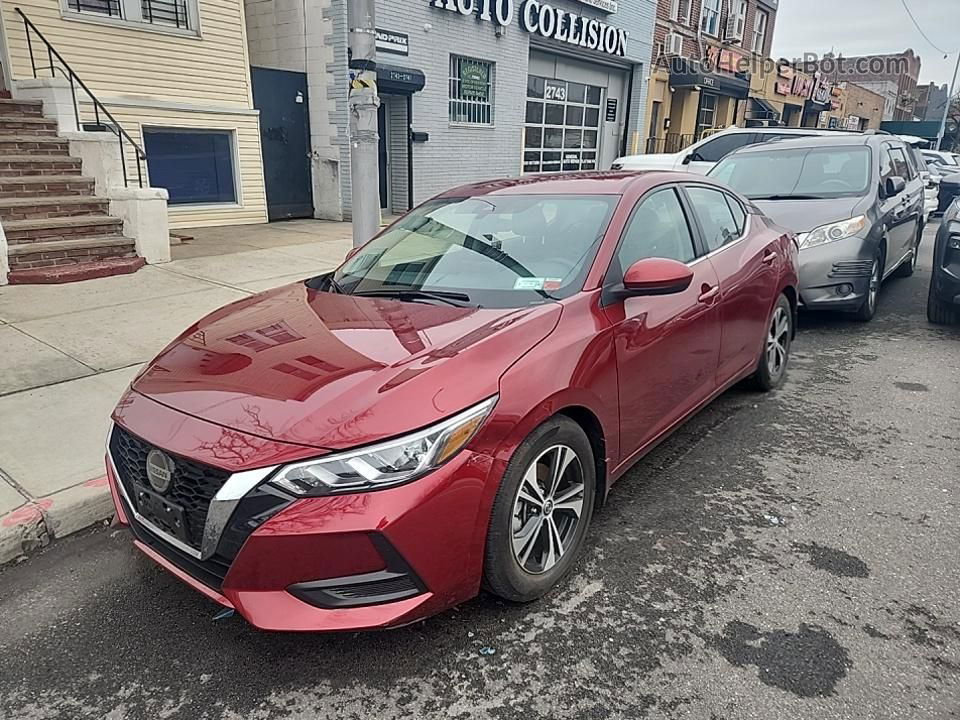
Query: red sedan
[[448, 408]]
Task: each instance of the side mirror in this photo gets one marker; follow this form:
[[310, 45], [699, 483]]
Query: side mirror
[[657, 276], [894, 186], [352, 252]]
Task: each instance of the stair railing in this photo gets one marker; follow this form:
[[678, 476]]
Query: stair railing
[[98, 107]]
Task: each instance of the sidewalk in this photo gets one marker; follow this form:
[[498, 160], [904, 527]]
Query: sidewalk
[[68, 351]]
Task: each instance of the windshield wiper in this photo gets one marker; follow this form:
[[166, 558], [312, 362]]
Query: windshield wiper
[[788, 197], [457, 299]]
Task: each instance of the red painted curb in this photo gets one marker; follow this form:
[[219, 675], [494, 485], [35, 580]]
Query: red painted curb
[[28, 514]]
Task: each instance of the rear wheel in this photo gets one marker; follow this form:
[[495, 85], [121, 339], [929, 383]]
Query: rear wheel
[[869, 307], [939, 312], [772, 368], [541, 513]]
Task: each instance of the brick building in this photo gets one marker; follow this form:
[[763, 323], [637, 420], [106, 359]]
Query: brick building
[[687, 98], [877, 73], [470, 89]]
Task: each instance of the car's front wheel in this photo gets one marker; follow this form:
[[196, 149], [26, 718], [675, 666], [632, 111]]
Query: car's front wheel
[[542, 511], [869, 307], [939, 312]]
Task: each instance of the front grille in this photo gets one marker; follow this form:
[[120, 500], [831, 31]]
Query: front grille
[[192, 487], [852, 268]]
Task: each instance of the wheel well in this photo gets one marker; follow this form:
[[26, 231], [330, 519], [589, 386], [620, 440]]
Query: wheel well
[[594, 431], [791, 293]]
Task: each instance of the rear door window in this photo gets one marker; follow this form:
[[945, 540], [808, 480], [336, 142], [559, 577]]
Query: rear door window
[[716, 219]]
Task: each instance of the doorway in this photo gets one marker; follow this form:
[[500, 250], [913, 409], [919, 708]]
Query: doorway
[[383, 154], [706, 113], [281, 98]]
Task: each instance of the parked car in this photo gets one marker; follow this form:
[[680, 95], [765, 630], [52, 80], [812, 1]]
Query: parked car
[[706, 152], [945, 159], [930, 180], [943, 298], [364, 448], [856, 203], [948, 191]]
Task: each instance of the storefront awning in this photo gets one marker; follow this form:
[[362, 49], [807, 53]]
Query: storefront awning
[[395, 80], [762, 110], [686, 74]]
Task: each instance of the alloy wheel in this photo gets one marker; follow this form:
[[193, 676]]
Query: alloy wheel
[[778, 338], [547, 509]]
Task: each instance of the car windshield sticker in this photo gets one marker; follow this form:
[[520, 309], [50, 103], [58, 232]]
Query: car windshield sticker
[[528, 283]]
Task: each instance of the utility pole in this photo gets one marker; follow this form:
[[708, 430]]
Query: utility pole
[[364, 137], [946, 109]]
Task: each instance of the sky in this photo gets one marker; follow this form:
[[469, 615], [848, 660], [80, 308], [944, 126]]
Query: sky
[[869, 27]]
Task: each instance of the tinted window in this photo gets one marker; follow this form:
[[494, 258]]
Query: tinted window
[[716, 219], [722, 146], [900, 165], [815, 172], [916, 160], [503, 251], [658, 228]]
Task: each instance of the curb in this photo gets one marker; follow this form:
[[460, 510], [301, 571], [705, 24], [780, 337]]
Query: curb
[[36, 523]]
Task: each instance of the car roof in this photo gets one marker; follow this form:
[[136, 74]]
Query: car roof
[[615, 182], [814, 141]]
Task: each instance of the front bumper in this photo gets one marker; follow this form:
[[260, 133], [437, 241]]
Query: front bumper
[[342, 562], [836, 276]]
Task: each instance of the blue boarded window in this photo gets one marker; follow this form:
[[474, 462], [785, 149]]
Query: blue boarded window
[[195, 166]]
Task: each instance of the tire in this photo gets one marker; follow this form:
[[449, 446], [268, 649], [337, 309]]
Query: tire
[[517, 561], [910, 264], [772, 366], [939, 312], [869, 307]]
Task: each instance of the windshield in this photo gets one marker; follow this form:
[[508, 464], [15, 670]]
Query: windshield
[[801, 173], [491, 250]]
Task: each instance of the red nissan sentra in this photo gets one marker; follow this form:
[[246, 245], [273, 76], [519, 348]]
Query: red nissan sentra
[[447, 409]]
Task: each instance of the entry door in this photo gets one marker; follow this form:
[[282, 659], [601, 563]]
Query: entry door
[[281, 98], [383, 130]]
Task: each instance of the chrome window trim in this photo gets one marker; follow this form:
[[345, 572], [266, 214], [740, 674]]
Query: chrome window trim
[[221, 508]]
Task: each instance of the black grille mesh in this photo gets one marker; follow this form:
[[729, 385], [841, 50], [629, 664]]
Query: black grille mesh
[[192, 487]]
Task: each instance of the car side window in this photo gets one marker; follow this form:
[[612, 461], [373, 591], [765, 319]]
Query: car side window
[[886, 164], [716, 219], [739, 214], [900, 165], [718, 148], [658, 228]]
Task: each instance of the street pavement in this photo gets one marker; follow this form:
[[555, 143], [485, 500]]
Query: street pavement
[[790, 556]]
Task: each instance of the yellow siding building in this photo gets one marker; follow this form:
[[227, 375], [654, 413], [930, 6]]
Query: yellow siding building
[[176, 76]]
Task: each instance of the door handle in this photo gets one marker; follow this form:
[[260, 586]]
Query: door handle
[[768, 258], [708, 293]]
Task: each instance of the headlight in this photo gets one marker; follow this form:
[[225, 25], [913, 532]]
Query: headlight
[[833, 232], [390, 463]]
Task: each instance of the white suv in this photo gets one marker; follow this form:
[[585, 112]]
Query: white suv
[[707, 152]]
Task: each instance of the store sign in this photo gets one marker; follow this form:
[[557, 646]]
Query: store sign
[[611, 115], [541, 18], [609, 6], [393, 42], [474, 80], [853, 123]]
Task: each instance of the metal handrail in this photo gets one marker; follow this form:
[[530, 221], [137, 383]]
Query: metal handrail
[[98, 107]]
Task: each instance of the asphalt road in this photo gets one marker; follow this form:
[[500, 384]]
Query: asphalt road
[[785, 556]]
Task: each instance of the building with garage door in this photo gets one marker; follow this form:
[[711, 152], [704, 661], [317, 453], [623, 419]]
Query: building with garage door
[[470, 89]]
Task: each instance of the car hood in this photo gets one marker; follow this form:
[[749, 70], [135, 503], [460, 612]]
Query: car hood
[[802, 216], [334, 371], [951, 179], [654, 161]]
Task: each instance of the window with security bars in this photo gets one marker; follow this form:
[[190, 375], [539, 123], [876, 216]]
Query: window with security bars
[[166, 12], [110, 8], [471, 91], [562, 128]]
